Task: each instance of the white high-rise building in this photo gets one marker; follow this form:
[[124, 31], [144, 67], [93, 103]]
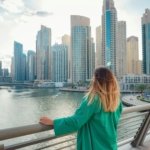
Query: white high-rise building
[[99, 55], [121, 49], [66, 41], [92, 59], [109, 20], [132, 58], [43, 54]]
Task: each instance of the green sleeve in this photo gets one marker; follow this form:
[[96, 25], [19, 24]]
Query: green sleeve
[[120, 107], [119, 110], [73, 123]]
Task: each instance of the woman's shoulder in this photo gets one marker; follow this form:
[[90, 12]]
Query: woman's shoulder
[[95, 99], [95, 102]]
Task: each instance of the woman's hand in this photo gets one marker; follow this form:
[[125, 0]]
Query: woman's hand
[[46, 121]]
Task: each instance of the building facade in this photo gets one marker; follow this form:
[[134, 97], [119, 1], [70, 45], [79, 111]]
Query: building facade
[[99, 54], [121, 50], [146, 41], [31, 64], [60, 63], [0, 68], [130, 81], [81, 48], [19, 62], [91, 58], [132, 59], [5, 72], [43, 54], [109, 20], [66, 40]]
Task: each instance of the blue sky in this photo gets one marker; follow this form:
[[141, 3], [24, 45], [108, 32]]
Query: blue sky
[[21, 19]]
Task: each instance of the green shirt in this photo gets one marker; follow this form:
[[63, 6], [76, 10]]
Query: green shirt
[[97, 129]]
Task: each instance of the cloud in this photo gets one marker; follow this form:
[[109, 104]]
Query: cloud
[[43, 13], [138, 6], [1, 1], [32, 4], [11, 10]]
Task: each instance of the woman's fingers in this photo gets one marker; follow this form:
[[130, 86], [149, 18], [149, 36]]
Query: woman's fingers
[[46, 121], [43, 120]]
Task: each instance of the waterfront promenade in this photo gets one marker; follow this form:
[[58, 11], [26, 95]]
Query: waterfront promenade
[[30, 100], [133, 129]]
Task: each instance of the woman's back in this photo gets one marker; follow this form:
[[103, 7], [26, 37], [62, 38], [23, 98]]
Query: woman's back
[[100, 132], [97, 129], [97, 117]]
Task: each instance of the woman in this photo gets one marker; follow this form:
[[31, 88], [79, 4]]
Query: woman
[[97, 117]]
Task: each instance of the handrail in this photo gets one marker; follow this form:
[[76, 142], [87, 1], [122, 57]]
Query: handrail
[[23, 130], [136, 109], [36, 128]]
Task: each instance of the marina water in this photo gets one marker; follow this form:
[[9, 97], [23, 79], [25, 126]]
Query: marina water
[[23, 106]]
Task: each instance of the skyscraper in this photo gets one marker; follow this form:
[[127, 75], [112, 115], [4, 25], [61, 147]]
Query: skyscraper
[[0, 68], [5, 72], [60, 63], [81, 47], [19, 59], [66, 41], [146, 41], [12, 72], [132, 55], [23, 67], [121, 49], [91, 58], [31, 61], [99, 56], [109, 19], [139, 67], [43, 54]]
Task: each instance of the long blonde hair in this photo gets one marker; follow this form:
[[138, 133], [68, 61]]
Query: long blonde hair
[[104, 84]]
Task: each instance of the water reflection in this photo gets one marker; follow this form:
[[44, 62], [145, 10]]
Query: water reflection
[[25, 106]]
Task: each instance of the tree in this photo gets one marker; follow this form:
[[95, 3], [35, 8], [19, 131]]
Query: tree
[[141, 88]]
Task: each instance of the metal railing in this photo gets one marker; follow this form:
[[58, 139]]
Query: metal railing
[[133, 128]]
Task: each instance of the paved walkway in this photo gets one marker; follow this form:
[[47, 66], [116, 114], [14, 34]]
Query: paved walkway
[[131, 100]]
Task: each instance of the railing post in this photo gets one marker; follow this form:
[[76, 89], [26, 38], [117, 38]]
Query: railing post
[[141, 133], [2, 147]]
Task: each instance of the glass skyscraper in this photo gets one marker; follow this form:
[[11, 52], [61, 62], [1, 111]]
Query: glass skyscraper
[[146, 41], [66, 41], [1, 68], [19, 62], [109, 20], [60, 63], [81, 47], [43, 54], [31, 63]]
